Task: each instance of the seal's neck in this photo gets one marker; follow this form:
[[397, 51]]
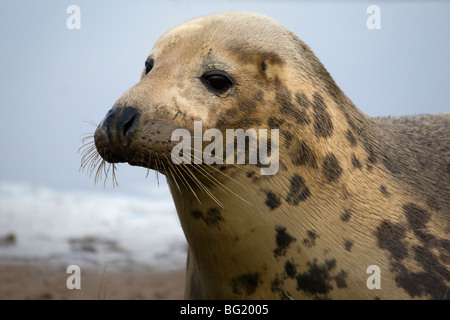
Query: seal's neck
[[304, 231]]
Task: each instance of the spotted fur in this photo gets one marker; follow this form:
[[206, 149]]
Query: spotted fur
[[351, 191]]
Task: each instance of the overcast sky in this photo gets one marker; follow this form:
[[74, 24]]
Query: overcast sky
[[53, 79]]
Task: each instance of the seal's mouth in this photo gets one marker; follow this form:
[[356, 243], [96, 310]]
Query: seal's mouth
[[125, 135]]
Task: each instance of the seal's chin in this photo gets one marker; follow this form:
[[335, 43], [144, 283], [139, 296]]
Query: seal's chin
[[105, 150]]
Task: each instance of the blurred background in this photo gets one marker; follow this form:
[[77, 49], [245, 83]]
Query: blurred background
[[54, 80]]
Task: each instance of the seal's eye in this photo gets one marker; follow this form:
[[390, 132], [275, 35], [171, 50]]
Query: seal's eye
[[149, 65], [217, 81]]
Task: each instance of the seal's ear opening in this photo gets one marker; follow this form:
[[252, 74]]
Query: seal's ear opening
[[217, 81]]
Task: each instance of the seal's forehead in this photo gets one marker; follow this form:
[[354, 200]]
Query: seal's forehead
[[236, 29]]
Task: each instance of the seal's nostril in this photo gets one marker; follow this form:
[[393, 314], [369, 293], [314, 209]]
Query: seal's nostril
[[127, 121], [119, 123], [128, 125]]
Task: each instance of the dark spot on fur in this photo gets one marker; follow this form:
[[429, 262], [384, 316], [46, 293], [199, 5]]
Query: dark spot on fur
[[416, 216], [356, 163], [275, 123], [299, 116], [287, 138], [331, 167], [323, 126], [196, 214], [348, 244], [351, 138], [245, 283], [250, 174], [302, 100], [277, 286], [238, 116], [298, 191], [283, 240], [221, 168], [249, 105], [431, 279], [272, 58], [434, 203], [283, 95], [372, 158], [283, 99], [249, 56], [346, 215], [272, 201], [312, 234], [330, 264], [317, 280], [340, 279], [290, 269], [212, 216], [310, 241], [445, 253], [391, 237], [384, 191], [303, 155]]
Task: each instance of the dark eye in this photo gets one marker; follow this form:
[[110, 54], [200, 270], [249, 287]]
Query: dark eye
[[217, 81], [149, 65]]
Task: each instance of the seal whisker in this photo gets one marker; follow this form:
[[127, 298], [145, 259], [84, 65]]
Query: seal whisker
[[157, 168], [197, 181], [216, 182], [87, 147], [89, 160], [235, 165], [91, 122], [177, 172], [183, 167], [164, 168], [174, 179], [106, 171], [98, 172], [224, 187], [207, 175], [203, 187], [204, 172], [89, 156]]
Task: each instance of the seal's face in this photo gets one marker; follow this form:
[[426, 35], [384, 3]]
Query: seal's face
[[201, 70]]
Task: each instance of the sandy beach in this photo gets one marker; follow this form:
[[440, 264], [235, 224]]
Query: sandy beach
[[43, 231], [40, 280]]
